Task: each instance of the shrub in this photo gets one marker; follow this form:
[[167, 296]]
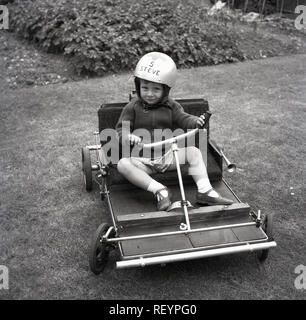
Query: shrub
[[104, 36]]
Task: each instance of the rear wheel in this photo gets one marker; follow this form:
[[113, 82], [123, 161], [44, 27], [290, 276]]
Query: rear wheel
[[86, 168], [267, 226], [99, 249]]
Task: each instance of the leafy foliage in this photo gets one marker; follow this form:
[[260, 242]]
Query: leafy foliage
[[110, 35]]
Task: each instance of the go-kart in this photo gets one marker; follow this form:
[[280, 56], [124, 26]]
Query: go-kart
[[145, 236]]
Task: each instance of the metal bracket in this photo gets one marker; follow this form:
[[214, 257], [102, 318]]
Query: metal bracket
[[104, 171], [183, 226], [258, 219]]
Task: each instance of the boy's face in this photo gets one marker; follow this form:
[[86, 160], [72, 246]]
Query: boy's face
[[151, 92]]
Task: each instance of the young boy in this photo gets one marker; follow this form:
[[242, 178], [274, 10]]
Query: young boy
[[152, 109]]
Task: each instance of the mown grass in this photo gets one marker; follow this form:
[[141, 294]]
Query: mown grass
[[47, 218]]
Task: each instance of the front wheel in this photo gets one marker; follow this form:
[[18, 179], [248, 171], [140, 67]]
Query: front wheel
[[267, 226], [99, 249], [86, 168]]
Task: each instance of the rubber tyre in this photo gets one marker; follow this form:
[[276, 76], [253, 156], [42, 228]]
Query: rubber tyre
[[267, 226], [99, 250], [86, 168]]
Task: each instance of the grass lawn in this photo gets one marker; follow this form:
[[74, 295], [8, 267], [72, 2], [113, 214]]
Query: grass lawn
[[47, 217]]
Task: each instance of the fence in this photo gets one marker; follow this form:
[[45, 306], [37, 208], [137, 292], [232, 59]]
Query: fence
[[279, 6]]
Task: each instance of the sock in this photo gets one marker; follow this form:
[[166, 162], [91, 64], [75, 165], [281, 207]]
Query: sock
[[155, 186], [213, 193], [204, 185]]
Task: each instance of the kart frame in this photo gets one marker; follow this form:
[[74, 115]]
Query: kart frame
[[150, 237]]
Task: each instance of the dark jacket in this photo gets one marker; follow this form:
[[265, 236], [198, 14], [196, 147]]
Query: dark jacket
[[168, 114]]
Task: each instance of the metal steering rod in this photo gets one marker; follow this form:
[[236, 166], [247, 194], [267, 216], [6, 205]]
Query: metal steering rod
[[175, 149], [170, 140]]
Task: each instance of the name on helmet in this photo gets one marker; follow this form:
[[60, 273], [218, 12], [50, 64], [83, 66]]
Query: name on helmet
[[150, 70]]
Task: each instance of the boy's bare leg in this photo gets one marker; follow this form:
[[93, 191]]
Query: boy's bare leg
[[197, 168], [138, 174]]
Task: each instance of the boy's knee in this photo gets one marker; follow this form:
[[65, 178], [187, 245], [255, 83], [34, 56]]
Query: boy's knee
[[194, 157], [193, 152], [123, 163]]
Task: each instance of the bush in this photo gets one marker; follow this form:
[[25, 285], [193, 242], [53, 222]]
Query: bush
[[110, 35]]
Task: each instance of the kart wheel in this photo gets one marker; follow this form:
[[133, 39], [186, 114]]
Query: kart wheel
[[267, 226], [99, 250], [86, 168]]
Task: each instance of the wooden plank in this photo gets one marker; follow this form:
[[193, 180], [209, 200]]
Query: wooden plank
[[209, 213], [136, 202]]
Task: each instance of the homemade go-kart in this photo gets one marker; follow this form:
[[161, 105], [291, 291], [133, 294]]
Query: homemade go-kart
[[185, 231]]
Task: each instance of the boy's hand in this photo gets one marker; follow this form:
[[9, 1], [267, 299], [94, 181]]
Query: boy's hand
[[134, 140], [201, 121]]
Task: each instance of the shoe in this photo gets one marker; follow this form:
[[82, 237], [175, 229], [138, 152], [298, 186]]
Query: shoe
[[204, 198], [163, 203]]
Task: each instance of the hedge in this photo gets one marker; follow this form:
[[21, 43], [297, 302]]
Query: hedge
[[102, 36]]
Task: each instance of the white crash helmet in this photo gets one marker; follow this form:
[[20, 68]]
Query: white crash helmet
[[156, 67]]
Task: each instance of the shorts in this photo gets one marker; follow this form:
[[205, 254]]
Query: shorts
[[157, 165]]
